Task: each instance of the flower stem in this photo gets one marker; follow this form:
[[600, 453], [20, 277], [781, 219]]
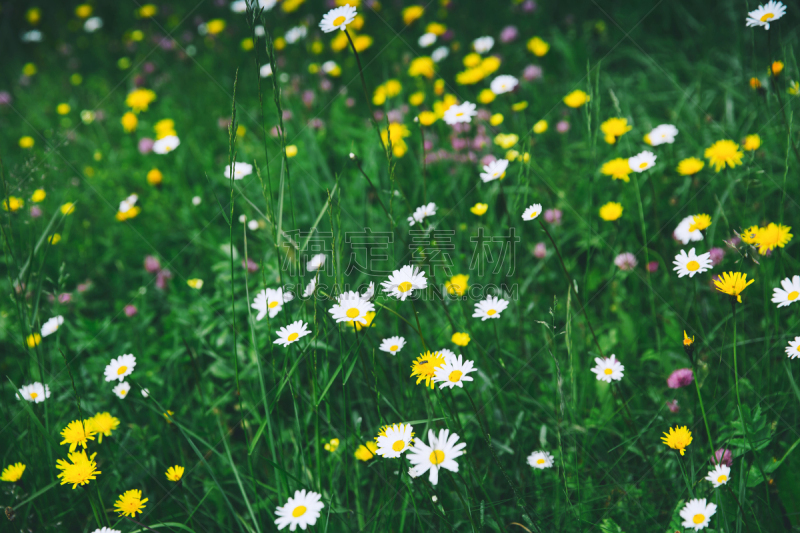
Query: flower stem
[[703, 410], [647, 261], [419, 328]]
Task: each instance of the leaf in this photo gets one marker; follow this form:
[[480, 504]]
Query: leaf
[[754, 477]]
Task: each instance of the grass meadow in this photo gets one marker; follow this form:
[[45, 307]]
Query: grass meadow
[[245, 249]]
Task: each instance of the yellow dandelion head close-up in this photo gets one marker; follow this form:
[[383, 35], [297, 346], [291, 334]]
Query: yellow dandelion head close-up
[[678, 438], [425, 366]]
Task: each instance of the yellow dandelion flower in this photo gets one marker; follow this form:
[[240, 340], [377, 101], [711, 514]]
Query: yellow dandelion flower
[[749, 235], [425, 366], [291, 150], [690, 166], [687, 341], [426, 118], [103, 424], [416, 98], [12, 203], [421, 66], [576, 99], [538, 46], [79, 470], [63, 109], [471, 60], [541, 127], [154, 177], [83, 11], [361, 42], [678, 438], [216, 26], [752, 142], [436, 29], [26, 142], [489, 65], [618, 169], [412, 13], [195, 283], [755, 83], [774, 235], [724, 152], [519, 106], [130, 503], [700, 222], [457, 284], [460, 339], [33, 15], [479, 209], [12, 473], [733, 283], [506, 140], [147, 11], [140, 99], [38, 195], [611, 211], [175, 473], [33, 340], [496, 119], [614, 128], [776, 67], [365, 453], [54, 238], [332, 446], [76, 433]]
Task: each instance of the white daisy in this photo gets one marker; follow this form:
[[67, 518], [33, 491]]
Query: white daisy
[[494, 170], [393, 440], [426, 39], [769, 12], [503, 84], [166, 145], [691, 263], [441, 453], [122, 389], [128, 203], [35, 392], [265, 71], [685, 233], [460, 113], [608, 369], [301, 510], [483, 44], [120, 368], [270, 301], [793, 350], [392, 345], [351, 308], [369, 293], [789, 294], [540, 460], [440, 53], [421, 213], [240, 170], [310, 288], [92, 24], [50, 327], [32, 36], [454, 372], [447, 354], [532, 212], [295, 34], [402, 283], [291, 333], [491, 307], [329, 66], [720, 475], [337, 19], [642, 161], [316, 262], [105, 529], [239, 6], [662, 134], [696, 514]]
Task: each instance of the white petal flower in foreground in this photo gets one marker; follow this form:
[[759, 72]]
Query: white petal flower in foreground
[[662, 134], [540, 460], [166, 145], [691, 263], [685, 231], [402, 283], [441, 453], [393, 440], [793, 350], [291, 333], [301, 510], [720, 475], [122, 389], [337, 19], [456, 114], [369, 293], [120, 368], [310, 288], [351, 308], [240, 170], [447, 354], [788, 294], [764, 14], [491, 307], [608, 369], [503, 84], [35, 392], [421, 213], [270, 301], [696, 514], [642, 161], [454, 372], [52, 325], [316, 262], [532, 212], [392, 345], [494, 170]]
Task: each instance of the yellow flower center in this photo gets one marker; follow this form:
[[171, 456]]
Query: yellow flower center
[[793, 295], [273, 305], [398, 445], [404, 287], [300, 510], [34, 395], [459, 114], [455, 376], [722, 479], [540, 461], [393, 348], [123, 392], [533, 215], [338, 21], [698, 518], [692, 266], [608, 371], [353, 312], [292, 337], [767, 17], [437, 457], [643, 165], [491, 312], [121, 370]]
